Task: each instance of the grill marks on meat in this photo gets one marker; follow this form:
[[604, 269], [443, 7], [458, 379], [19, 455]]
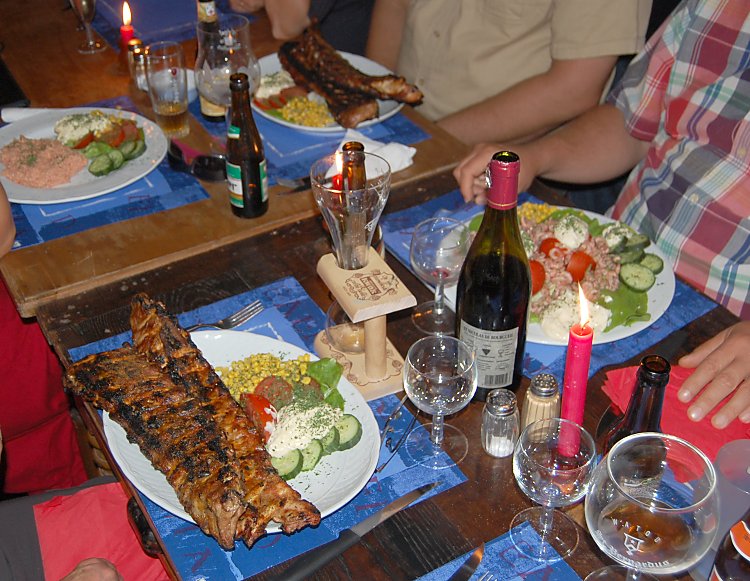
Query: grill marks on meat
[[316, 54], [158, 336], [348, 109], [175, 431], [349, 93]]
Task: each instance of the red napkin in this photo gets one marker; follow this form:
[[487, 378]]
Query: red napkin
[[92, 523], [619, 385]]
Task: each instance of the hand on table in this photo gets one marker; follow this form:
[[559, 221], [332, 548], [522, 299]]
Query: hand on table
[[470, 172], [94, 570], [722, 367]]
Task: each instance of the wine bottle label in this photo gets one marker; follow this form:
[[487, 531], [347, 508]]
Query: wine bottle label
[[495, 353], [740, 534], [206, 11]]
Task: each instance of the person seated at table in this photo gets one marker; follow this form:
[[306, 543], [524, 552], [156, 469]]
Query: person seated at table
[[41, 446], [680, 119], [343, 23], [504, 69]]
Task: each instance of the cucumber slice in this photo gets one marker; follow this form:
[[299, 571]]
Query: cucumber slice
[[117, 158], [140, 147], [289, 465], [637, 277], [101, 165], [631, 255], [652, 262], [95, 149], [637, 240], [311, 455], [128, 148], [350, 431], [330, 441]]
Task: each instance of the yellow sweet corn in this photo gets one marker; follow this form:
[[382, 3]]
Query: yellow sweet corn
[[303, 111], [243, 375]]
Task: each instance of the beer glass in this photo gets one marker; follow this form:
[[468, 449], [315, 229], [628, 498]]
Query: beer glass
[[167, 87]]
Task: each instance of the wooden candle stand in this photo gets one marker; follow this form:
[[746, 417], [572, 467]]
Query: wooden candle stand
[[367, 295]]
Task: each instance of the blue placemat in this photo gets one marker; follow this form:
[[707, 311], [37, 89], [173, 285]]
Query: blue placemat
[[291, 315], [503, 560], [162, 189], [687, 304], [152, 20], [290, 152]]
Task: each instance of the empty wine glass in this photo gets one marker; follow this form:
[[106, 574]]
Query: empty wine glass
[[440, 378], [652, 506], [552, 462], [437, 251], [85, 9]]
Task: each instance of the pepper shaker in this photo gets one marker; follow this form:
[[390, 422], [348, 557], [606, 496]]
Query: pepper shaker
[[542, 400], [500, 423]]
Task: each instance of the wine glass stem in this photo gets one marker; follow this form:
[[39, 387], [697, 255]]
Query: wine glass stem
[[436, 436], [546, 521], [439, 296], [89, 34]]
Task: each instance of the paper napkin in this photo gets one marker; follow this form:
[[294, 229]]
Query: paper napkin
[[398, 155], [619, 385]]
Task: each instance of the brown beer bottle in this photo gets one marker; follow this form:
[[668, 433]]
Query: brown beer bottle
[[246, 161], [733, 557], [644, 408], [208, 22], [353, 176]]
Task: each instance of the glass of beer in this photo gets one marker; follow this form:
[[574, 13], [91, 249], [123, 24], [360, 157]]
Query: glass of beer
[[652, 506], [167, 87]]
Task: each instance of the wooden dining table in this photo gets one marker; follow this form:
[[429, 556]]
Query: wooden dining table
[[199, 254]]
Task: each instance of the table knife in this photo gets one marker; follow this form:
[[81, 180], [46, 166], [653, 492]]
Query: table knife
[[314, 560], [466, 570]]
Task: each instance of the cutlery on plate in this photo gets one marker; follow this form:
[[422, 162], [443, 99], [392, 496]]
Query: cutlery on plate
[[469, 566], [315, 559], [243, 315]]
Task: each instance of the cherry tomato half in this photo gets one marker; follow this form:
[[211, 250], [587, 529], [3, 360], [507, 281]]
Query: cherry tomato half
[[84, 141], [130, 130], [113, 137], [537, 276], [261, 413], [551, 247], [579, 264]]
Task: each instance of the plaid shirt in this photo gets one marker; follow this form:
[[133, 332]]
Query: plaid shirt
[[688, 94]]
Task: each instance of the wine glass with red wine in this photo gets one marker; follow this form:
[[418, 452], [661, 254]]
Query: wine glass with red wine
[[440, 378], [552, 463], [652, 506], [437, 251]]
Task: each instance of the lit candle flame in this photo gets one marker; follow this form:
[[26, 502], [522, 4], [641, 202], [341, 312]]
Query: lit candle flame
[[583, 307], [339, 162], [126, 16]]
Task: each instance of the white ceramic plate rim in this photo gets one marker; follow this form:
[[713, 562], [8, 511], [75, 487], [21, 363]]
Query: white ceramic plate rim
[[270, 64], [659, 298], [83, 185], [335, 481]]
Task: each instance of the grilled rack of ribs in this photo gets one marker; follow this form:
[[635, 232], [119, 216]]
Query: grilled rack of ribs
[[158, 336], [175, 407], [347, 108], [175, 431], [314, 53]]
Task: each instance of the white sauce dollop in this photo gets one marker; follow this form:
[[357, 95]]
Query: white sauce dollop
[[298, 425], [571, 231], [562, 314]]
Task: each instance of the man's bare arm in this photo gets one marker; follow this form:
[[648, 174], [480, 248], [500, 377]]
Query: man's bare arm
[[288, 17], [386, 31]]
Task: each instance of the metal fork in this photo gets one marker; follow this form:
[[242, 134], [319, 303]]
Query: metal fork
[[487, 576], [244, 314]]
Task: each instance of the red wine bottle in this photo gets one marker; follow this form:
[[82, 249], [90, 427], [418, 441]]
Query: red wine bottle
[[732, 561], [492, 297], [645, 405]]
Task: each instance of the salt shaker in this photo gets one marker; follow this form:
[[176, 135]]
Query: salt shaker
[[500, 423], [542, 400]]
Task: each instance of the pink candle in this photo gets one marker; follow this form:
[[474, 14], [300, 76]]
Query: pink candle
[[126, 30], [577, 359]]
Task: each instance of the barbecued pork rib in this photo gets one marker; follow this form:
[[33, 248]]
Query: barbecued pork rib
[[157, 335], [314, 53], [175, 431], [348, 108]]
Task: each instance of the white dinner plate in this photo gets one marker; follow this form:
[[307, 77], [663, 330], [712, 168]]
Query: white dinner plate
[[83, 185], [336, 479], [270, 64], [659, 298]]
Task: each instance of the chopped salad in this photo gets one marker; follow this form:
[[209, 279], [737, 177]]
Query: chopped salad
[[296, 405]]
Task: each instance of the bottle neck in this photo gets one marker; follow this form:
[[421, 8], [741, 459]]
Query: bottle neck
[[644, 409]]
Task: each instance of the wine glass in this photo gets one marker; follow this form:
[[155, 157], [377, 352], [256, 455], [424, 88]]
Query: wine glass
[[652, 505], [85, 9], [437, 251], [552, 462], [221, 54], [440, 378]]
